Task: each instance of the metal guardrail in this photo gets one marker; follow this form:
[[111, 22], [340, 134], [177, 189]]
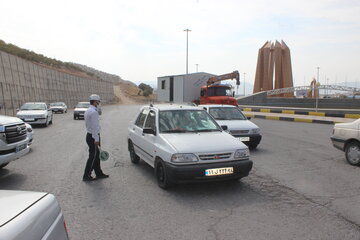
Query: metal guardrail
[[327, 87]]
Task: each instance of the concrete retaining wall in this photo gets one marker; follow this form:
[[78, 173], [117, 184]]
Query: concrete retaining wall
[[24, 81], [261, 99]]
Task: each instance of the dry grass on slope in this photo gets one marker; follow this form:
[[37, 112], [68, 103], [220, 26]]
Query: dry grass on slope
[[128, 93]]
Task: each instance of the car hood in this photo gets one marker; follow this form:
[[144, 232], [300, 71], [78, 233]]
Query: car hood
[[57, 107], [31, 112], [237, 124], [351, 125], [4, 120], [203, 142], [80, 109], [12, 203]]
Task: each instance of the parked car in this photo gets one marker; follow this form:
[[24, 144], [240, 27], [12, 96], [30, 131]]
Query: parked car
[[29, 133], [346, 137], [13, 140], [35, 113], [58, 107], [237, 123], [31, 216], [185, 144], [80, 109]]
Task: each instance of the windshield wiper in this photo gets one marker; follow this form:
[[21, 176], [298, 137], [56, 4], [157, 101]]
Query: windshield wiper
[[221, 119], [206, 130], [175, 131]]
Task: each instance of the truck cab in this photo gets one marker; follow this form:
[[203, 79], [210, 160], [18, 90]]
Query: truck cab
[[217, 94]]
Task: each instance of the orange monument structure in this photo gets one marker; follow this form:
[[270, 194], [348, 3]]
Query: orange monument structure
[[274, 61]]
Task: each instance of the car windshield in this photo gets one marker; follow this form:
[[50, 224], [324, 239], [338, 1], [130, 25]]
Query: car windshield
[[83, 105], [226, 113], [220, 91], [33, 106], [180, 121]]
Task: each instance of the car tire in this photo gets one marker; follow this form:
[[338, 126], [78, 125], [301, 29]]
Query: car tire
[[46, 124], [74, 117], [3, 165], [352, 153], [51, 121], [133, 157], [161, 175]]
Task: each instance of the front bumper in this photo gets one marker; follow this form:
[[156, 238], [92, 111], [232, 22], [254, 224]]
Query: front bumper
[[35, 121], [79, 114], [254, 138], [13, 155], [196, 172], [58, 110], [338, 143]]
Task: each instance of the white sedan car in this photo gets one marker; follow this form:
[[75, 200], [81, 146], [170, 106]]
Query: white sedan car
[[35, 113], [185, 144], [346, 137], [31, 216], [237, 123]]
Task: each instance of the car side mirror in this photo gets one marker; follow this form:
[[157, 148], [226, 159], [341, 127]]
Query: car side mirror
[[248, 118], [224, 127], [149, 131]]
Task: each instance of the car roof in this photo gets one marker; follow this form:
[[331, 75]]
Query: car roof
[[166, 107], [35, 103], [217, 105]]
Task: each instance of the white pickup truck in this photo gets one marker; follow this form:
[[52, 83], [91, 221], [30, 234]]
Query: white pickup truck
[[13, 139]]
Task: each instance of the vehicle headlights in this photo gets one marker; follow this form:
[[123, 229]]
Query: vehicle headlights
[[242, 153], [184, 158], [2, 129], [255, 130]]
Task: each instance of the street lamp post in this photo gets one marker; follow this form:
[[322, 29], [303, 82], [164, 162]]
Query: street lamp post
[[317, 90], [187, 48], [244, 83]]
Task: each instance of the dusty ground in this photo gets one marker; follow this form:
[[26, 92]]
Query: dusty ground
[[128, 93]]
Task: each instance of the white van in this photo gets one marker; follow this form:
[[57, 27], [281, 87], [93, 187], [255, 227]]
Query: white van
[[31, 216]]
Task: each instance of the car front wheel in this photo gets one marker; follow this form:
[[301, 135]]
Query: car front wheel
[[133, 157], [161, 175], [352, 153]]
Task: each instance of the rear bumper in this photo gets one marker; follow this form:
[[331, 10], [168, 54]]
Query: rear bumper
[[196, 173]]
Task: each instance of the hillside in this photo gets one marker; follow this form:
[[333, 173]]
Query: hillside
[[125, 89]]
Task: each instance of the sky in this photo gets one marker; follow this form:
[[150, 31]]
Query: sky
[[140, 40]]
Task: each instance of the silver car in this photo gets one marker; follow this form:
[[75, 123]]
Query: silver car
[[31, 216]]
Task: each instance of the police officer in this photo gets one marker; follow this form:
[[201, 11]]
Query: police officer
[[93, 140]]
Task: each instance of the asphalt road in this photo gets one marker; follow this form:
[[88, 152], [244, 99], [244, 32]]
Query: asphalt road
[[300, 188]]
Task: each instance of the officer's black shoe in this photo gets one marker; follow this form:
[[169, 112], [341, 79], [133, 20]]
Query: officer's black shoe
[[102, 176], [88, 179]]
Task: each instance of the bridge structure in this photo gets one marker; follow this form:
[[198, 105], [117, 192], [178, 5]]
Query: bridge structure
[[347, 90]]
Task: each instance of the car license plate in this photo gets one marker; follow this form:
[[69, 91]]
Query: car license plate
[[244, 139], [219, 171], [20, 147], [29, 119]]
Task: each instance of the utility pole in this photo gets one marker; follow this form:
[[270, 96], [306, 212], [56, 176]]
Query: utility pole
[[244, 83], [187, 49], [197, 67]]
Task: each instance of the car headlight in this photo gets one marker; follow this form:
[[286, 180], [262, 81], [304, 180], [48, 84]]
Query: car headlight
[[184, 158], [242, 153], [255, 130], [2, 129]]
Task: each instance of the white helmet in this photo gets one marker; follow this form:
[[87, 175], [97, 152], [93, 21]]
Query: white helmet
[[94, 97]]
